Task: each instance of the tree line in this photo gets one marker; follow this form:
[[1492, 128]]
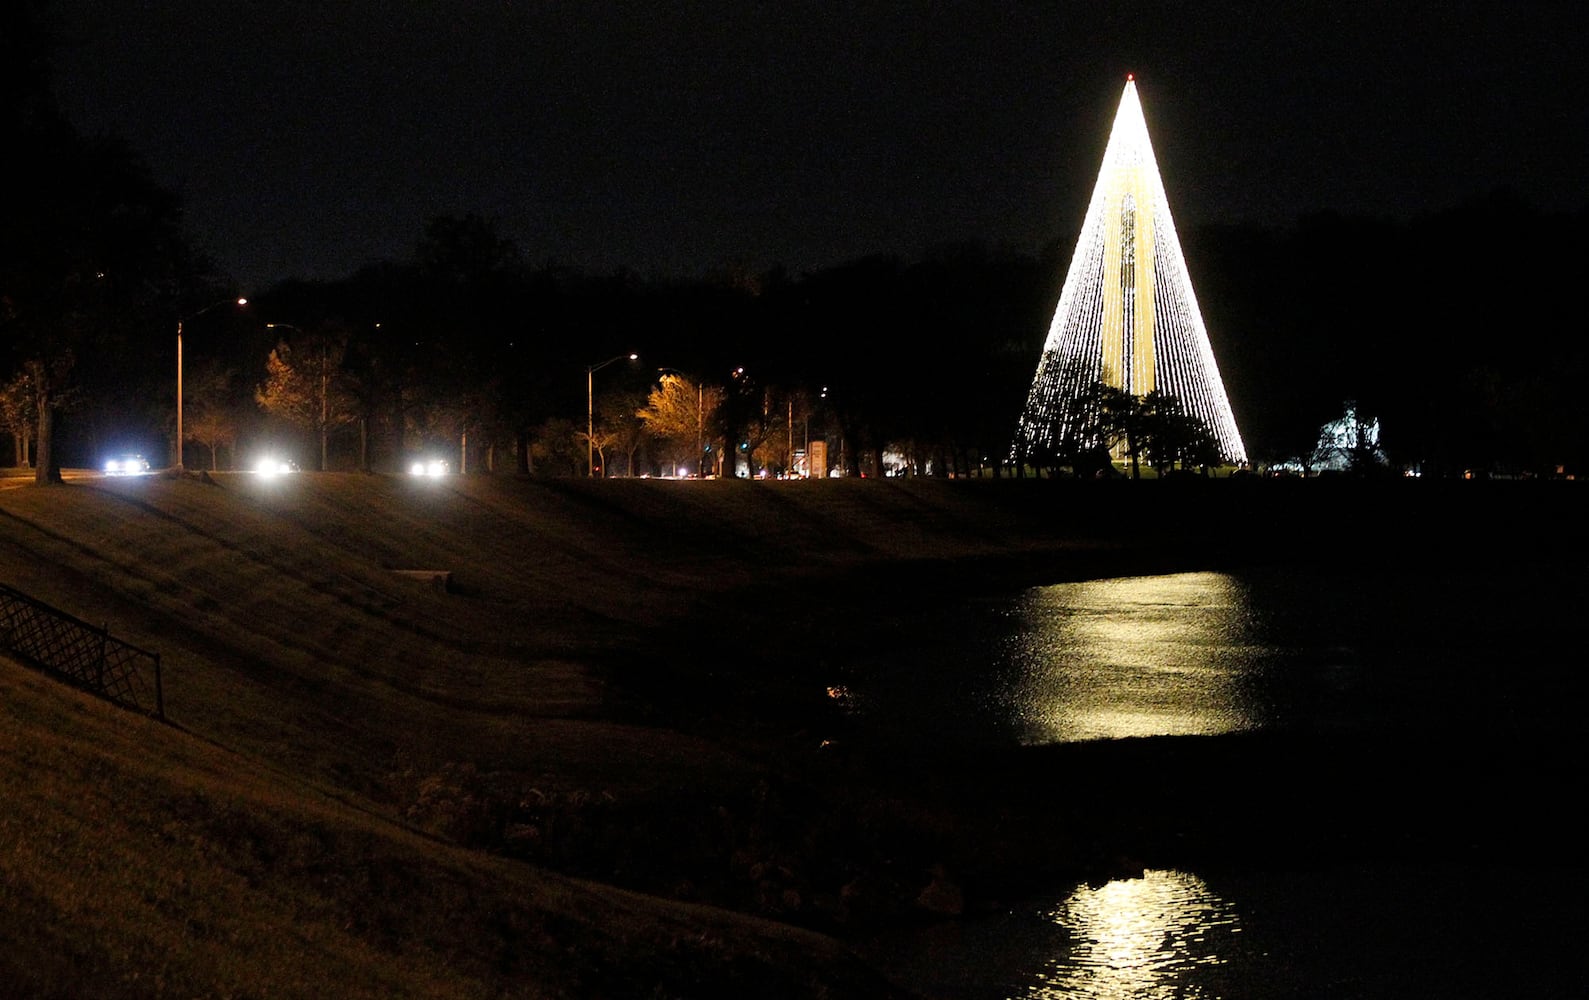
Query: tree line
[[1102, 423], [498, 365]]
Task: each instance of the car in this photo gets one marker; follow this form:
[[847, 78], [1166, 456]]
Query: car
[[127, 465], [430, 467], [272, 465]]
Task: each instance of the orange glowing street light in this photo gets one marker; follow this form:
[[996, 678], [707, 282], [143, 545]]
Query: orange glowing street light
[[180, 321]]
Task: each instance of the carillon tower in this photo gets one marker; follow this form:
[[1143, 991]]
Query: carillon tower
[[1127, 216], [1127, 315]]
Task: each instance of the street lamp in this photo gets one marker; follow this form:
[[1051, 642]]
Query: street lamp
[[180, 321], [590, 410]]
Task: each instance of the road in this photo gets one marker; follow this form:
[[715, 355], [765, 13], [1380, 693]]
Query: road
[[10, 479]]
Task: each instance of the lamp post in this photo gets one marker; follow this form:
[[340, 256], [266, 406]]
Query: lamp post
[[180, 321], [789, 465], [590, 410]]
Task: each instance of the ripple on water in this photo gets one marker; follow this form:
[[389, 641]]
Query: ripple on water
[[1141, 938]]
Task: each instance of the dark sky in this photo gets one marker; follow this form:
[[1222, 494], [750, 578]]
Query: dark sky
[[308, 138]]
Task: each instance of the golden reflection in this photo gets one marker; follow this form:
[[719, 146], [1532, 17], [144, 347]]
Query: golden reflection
[[1137, 656], [1138, 939]]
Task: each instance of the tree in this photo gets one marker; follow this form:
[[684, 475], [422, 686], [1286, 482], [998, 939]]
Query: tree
[[1092, 420], [760, 430], [1124, 422], [558, 445], [211, 418], [93, 255], [367, 390], [775, 445], [1065, 429], [1203, 450], [19, 412], [680, 411], [51, 393], [303, 386], [213, 426], [1082, 438], [1173, 435], [83, 268], [620, 427]]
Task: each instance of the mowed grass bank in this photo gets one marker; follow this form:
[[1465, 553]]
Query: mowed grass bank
[[137, 860], [285, 631], [276, 838]]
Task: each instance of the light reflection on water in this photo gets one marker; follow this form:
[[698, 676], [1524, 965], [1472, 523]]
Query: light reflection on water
[[1139, 938], [1141, 656], [1371, 933], [1201, 654], [1178, 655]]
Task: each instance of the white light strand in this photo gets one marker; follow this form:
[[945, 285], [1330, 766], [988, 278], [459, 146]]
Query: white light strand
[[1183, 358]]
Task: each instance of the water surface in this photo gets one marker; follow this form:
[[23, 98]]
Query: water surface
[[1489, 656], [1210, 653], [1350, 932]]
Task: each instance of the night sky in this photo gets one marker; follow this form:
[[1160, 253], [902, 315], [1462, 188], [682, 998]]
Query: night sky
[[307, 139]]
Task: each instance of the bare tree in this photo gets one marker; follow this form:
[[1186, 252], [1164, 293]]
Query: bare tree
[[214, 420], [214, 426]]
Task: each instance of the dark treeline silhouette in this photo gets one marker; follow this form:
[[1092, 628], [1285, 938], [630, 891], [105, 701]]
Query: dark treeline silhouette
[[1457, 331], [927, 360]]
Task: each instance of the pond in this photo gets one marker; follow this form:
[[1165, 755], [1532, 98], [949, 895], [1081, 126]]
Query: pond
[[1493, 655]]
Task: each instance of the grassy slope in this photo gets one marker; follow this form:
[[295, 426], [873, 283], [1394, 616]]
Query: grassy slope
[[259, 845], [137, 860], [266, 842], [315, 694], [284, 633]]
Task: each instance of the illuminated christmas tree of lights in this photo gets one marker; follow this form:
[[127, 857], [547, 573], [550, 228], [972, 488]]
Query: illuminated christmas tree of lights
[[1127, 315]]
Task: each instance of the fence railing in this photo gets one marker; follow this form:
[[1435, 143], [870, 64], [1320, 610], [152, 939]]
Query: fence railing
[[81, 654]]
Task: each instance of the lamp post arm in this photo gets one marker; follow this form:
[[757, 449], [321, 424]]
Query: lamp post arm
[[592, 369]]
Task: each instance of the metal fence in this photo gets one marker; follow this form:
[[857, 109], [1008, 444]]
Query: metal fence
[[79, 653]]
